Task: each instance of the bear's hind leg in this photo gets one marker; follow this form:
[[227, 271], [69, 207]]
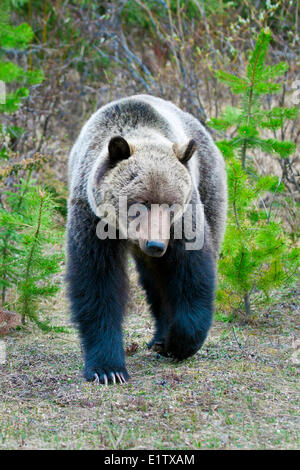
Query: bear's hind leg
[[149, 277]]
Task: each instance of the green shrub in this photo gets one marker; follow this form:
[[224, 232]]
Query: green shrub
[[258, 254], [28, 249], [17, 38], [28, 234]]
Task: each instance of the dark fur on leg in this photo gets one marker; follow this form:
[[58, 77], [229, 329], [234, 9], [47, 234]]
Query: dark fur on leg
[[180, 289], [192, 294], [96, 274], [157, 298]]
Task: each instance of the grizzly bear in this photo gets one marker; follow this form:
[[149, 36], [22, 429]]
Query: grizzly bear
[[147, 152]]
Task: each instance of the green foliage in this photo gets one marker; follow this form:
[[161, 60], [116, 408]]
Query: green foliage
[[15, 37], [9, 72], [28, 258], [27, 230], [135, 14], [251, 116], [258, 254]]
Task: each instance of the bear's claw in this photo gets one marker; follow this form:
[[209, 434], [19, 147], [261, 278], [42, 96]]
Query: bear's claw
[[114, 378]]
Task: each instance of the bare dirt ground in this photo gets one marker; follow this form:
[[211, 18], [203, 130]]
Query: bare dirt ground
[[241, 391]]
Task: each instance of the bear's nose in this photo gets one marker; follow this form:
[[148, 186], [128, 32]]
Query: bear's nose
[[155, 248]]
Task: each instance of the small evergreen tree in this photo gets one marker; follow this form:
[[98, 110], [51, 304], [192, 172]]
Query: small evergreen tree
[[28, 257], [27, 230], [258, 255]]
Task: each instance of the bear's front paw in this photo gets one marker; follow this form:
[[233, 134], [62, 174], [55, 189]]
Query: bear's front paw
[[107, 375]]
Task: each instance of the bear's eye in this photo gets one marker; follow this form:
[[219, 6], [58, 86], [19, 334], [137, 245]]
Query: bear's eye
[[136, 209]]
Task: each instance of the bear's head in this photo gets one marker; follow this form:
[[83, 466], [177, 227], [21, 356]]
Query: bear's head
[[141, 188]]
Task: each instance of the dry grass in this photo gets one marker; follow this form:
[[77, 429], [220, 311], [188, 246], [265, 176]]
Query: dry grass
[[240, 391]]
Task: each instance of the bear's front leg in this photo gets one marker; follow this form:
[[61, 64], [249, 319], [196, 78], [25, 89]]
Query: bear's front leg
[[96, 274], [192, 291]]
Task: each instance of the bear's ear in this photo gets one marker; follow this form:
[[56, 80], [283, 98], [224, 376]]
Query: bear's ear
[[186, 151], [118, 149]]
